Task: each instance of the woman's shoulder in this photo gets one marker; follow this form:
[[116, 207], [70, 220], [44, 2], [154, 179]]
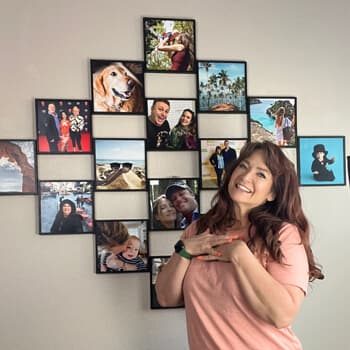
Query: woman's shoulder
[[289, 233]]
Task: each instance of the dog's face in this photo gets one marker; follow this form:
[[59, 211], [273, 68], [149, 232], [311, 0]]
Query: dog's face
[[116, 80]]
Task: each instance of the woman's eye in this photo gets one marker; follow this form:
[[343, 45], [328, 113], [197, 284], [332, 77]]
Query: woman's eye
[[242, 165], [262, 175]]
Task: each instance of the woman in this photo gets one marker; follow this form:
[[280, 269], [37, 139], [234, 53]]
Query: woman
[[217, 161], [180, 50], [67, 220], [183, 134], [164, 213], [253, 247], [64, 128]]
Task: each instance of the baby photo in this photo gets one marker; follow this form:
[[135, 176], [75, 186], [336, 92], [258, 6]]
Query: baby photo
[[121, 246]]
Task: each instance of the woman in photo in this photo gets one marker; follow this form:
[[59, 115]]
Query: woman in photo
[[64, 128], [243, 268], [67, 220], [217, 161], [164, 213], [183, 134]]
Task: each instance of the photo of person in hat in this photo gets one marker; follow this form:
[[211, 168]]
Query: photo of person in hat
[[184, 200], [319, 165]]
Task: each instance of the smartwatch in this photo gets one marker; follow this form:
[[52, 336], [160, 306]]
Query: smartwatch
[[180, 249]]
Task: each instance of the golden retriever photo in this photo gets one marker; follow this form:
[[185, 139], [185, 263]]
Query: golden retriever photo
[[116, 87]]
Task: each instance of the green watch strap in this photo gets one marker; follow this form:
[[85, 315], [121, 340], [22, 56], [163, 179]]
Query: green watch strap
[[185, 254]]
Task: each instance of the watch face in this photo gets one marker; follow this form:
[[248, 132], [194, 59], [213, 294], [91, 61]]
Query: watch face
[[178, 246]]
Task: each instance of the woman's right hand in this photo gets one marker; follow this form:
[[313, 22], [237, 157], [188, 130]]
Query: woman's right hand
[[205, 242]]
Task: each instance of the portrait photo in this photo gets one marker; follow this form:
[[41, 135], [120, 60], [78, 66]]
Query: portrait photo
[[216, 156], [156, 263], [120, 164], [273, 119], [121, 246], [321, 160], [18, 167], [171, 125], [66, 207], [222, 86], [63, 126], [173, 203], [169, 45], [117, 87]]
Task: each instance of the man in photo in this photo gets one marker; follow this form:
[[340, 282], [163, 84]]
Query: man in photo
[[184, 201], [52, 128], [158, 127], [228, 153]]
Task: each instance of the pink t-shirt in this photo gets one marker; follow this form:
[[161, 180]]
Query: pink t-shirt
[[218, 317]]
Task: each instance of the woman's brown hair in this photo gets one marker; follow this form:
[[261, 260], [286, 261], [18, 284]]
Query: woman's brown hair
[[267, 219]]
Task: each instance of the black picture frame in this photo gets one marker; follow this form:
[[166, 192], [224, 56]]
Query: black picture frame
[[262, 125], [169, 45], [55, 196], [155, 263], [221, 87], [120, 164], [18, 167], [211, 171], [161, 197], [328, 172], [165, 117], [117, 86], [67, 129], [121, 246]]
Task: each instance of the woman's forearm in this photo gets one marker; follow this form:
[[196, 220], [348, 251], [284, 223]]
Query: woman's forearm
[[170, 280]]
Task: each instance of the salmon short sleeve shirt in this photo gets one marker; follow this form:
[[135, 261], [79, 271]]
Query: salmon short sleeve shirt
[[218, 317]]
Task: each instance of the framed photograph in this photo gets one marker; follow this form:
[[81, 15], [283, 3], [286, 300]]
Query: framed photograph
[[117, 87], [171, 125], [222, 86], [120, 164], [169, 45], [156, 262], [273, 119], [18, 167], [66, 207], [63, 126], [216, 155], [321, 160], [173, 203], [121, 246]]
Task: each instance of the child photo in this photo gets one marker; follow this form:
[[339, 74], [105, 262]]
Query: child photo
[[222, 86], [63, 126], [172, 125], [117, 87], [66, 207], [173, 203], [216, 155], [121, 246], [169, 45], [18, 174], [120, 164], [273, 119], [321, 160]]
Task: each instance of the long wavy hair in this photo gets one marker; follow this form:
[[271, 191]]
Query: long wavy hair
[[267, 219], [192, 128], [186, 41]]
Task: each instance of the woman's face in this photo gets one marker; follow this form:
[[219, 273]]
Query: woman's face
[[66, 209], [166, 211], [186, 118], [251, 183], [64, 116]]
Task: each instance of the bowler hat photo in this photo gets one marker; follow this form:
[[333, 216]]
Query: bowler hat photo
[[319, 148]]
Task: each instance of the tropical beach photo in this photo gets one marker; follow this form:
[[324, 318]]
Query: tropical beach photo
[[120, 164], [222, 87], [273, 119], [17, 167], [169, 45]]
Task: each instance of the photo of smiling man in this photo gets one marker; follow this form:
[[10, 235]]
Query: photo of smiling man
[[158, 127]]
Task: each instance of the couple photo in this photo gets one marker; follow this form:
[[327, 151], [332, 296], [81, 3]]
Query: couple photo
[[174, 203]]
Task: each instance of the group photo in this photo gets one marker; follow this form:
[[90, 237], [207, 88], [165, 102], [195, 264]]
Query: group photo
[[173, 203], [171, 125], [63, 126]]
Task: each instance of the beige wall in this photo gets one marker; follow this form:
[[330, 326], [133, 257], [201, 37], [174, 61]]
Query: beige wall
[[50, 297]]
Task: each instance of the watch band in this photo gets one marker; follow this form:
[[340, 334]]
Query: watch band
[[180, 249], [185, 254]]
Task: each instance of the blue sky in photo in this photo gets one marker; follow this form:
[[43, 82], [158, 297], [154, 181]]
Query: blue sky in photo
[[335, 148], [120, 149], [234, 70]]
